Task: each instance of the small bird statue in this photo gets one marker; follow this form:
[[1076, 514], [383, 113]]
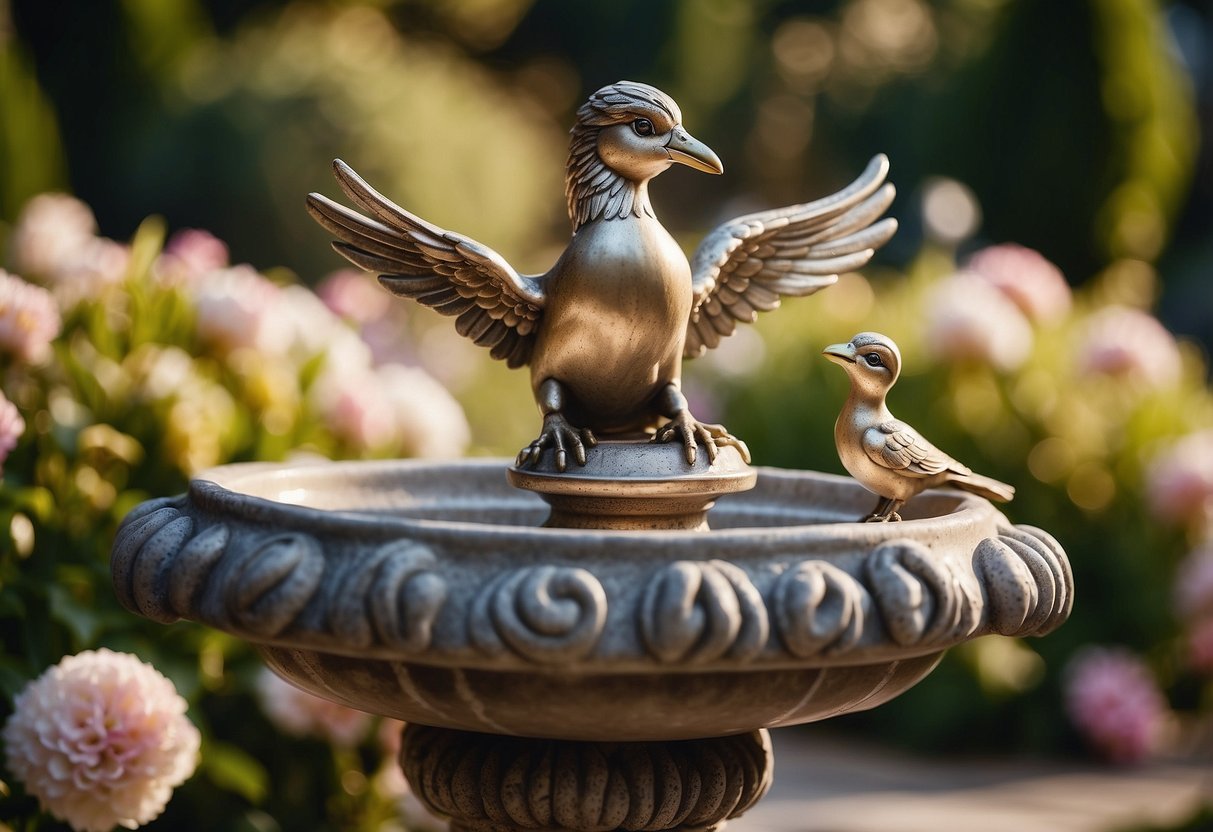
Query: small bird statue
[[605, 330], [888, 456]]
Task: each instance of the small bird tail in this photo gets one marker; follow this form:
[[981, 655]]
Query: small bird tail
[[986, 487]]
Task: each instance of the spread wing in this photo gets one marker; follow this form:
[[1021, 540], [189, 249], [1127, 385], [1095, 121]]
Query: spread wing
[[896, 445], [494, 305], [746, 265]]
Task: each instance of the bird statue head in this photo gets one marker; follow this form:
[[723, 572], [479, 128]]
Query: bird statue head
[[872, 361], [626, 133]]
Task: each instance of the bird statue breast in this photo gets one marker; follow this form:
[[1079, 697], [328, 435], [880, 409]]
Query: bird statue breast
[[606, 329]]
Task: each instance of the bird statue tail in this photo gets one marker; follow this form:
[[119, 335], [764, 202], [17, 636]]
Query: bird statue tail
[[986, 487]]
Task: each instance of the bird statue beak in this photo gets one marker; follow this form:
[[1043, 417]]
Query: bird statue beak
[[840, 353], [688, 150]]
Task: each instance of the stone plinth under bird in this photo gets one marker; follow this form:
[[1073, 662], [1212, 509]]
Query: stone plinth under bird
[[605, 330], [887, 456]]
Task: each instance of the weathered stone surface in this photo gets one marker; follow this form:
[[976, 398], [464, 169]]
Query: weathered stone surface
[[428, 592], [488, 783]]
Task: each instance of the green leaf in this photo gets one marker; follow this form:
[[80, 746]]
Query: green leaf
[[231, 769], [83, 623]]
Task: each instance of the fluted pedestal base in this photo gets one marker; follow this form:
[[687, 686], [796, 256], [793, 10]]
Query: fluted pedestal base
[[490, 783]]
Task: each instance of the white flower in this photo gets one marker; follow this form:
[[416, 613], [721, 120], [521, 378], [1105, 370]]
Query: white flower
[[51, 230], [101, 739], [431, 423], [968, 320], [236, 308]]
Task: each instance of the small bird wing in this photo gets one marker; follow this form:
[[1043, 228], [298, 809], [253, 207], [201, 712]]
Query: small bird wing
[[746, 265], [493, 305], [897, 446]]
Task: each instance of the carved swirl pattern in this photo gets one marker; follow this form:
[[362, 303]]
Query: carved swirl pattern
[[391, 597], [543, 613], [922, 599], [488, 783], [819, 609], [1027, 579], [259, 585], [169, 564], [695, 611]]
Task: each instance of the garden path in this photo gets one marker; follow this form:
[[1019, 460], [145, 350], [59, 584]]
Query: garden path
[[824, 783]]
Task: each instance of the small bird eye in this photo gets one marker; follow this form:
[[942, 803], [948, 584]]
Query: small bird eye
[[643, 127], [873, 359]]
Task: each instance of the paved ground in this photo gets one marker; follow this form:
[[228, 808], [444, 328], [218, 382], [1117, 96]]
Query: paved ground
[[824, 784]]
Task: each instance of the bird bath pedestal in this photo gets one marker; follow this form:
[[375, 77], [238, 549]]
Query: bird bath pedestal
[[586, 678]]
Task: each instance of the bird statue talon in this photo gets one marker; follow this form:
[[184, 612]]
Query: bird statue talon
[[606, 329], [692, 432], [562, 436], [887, 456]]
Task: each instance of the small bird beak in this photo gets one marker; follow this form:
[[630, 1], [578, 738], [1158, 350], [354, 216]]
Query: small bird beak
[[688, 150], [840, 353]]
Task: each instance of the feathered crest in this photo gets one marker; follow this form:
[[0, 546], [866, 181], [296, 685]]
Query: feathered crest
[[593, 189]]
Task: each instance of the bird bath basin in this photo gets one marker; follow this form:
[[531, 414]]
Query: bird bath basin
[[430, 592]]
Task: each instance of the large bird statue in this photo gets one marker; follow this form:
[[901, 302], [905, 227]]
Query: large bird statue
[[605, 330]]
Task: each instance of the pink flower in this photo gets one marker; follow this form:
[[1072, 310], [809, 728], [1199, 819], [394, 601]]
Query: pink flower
[[300, 714], [1180, 480], [1200, 645], [11, 428], [55, 241], [29, 319], [1114, 701], [356, 408], [101, 739], [967, 320], [191, 253], [1034, 284], [1193, 588], [1127, 343], [354, 295], [236, 309]]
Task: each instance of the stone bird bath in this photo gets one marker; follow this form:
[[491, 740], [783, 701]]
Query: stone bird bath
[[611, 660], [586, 678]]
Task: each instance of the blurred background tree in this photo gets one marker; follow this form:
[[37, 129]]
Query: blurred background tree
[[1079, 128]]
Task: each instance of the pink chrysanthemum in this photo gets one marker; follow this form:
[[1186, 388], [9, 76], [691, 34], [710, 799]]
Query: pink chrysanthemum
[[353, 295], [29, 318], [189, 254], [101, 739], [1124, 342], [1180, 480], [1112, 698], [300, 714], [1031, 282], [11, 428], [968, 320]]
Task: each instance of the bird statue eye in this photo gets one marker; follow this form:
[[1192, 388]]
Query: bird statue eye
[[643, 127], [873, 359]]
